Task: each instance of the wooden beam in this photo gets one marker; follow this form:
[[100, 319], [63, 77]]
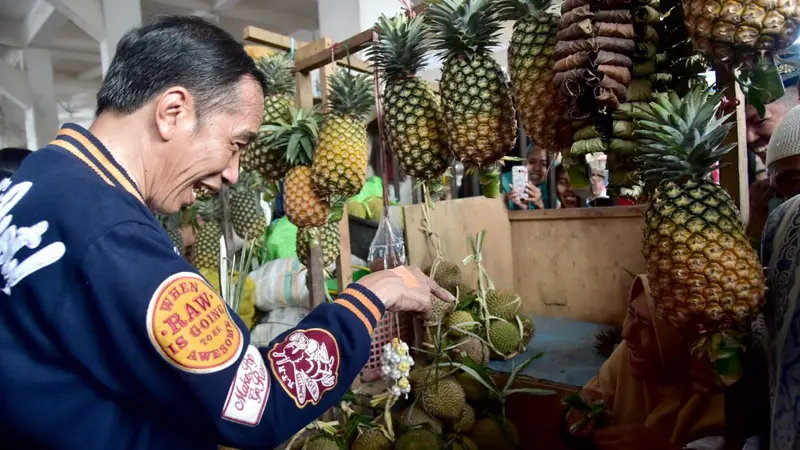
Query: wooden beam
[[86, 14], [733, 176], [271, 39], [353, 45], [14, 85]]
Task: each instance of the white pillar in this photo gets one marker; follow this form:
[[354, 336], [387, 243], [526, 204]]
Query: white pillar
[[41, 118], [341, 19], [119, 16]]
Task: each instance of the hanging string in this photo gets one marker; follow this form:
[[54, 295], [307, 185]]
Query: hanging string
[[291, 49]]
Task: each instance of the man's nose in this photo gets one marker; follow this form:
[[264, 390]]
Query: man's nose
[[231, 173]]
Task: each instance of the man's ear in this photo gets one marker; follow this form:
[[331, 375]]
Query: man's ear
[[174, 110]]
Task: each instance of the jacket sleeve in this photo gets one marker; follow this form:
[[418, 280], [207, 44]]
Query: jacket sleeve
[[151, 331]]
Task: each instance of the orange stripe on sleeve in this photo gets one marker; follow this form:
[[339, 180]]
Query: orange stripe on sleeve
[[357, 313], [365, 301]]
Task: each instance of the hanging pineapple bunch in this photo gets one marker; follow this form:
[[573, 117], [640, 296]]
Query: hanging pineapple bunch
[[745, 36], [479, 117], [269, 162], [705, 277], [530, 61], [247, 216], [594, 54], [296, 140], [340, 161], [412, 114], [205, 253]]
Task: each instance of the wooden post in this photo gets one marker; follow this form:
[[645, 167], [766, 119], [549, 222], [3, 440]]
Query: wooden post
[[733, 175], [227, 226]]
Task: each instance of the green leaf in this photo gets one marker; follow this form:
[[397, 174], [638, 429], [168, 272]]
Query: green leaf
[[532, 391], [515, 371]]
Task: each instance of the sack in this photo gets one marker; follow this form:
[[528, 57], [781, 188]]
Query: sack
[[281, 283], [277, 322]]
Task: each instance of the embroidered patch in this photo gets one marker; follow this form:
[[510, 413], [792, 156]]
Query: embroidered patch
[[249, 391], [189, 325], [306, 364]]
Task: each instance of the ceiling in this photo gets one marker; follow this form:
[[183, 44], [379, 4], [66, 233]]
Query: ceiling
[[76, 55]]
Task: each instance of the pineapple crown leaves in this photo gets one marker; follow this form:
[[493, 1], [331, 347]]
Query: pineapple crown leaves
[[401, 46], [681, 137], [297, 139], [516, 9], [277, 69], [210, 210], [351, 94], [465, 27]]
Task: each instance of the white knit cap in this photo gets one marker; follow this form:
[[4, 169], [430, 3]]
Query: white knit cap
[[785, 141]]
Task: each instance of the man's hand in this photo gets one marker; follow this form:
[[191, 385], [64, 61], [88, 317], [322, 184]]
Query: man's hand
[[405, 289], [513, 195], [632, 437], [574, 416], [535, 196]]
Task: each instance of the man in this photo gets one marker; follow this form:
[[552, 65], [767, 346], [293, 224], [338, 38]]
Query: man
[[108, 338], [779, 324], [537, 182]]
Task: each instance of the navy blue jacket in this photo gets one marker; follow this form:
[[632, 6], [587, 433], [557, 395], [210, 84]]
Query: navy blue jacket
[[110, 340]]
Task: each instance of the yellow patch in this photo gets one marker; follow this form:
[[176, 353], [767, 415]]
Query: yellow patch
[[189, 325]]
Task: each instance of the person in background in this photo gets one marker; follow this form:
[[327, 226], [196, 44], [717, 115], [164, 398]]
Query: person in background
[[776, 328], [566, 195], [10, 160], [537, 198], [656, 394]]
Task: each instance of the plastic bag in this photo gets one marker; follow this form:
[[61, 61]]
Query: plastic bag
[[388, 248]]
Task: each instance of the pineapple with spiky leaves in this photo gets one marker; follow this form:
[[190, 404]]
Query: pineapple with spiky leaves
[[340, 161], [479, 116], [260, 157], [172, 225], [305, 207], [247, 217], [411, 110], [530, 61], [703, 272], [328, 237], [205, 253]]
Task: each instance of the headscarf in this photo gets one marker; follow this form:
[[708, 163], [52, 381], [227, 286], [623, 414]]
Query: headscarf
[[672, 408]]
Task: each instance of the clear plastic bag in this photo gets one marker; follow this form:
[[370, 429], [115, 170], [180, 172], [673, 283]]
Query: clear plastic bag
[[388, 248]]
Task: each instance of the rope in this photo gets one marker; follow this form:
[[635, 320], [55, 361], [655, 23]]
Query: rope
[[291, 49]]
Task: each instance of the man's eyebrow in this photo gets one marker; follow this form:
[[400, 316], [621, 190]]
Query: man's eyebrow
[[245, 136]]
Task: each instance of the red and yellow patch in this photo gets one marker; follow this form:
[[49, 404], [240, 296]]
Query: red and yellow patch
[[189, 325], [306, 364]]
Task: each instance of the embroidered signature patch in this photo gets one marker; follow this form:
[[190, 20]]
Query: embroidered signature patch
[[306, 364], [189, 325], [249, 391]]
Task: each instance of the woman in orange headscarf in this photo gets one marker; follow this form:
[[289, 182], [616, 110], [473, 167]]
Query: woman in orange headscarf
[[649, 388]]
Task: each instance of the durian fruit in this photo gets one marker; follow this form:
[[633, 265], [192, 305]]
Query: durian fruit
[[415, 416], [504, 336], [419, 376], [502, 304], [439, 310], [321, 442], [466, 420], [477, 350], [448, 275], [606, 341], [458, 318], [417, 439], [372, 439], [495, 433], [473, 389], [443, 399], [528, 329]]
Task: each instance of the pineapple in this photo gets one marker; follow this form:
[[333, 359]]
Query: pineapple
[[304, 206], [247, 217], [340, 161], [205, 252], [479, 116], [328, 237], [172, 225], [703, 272], [260, 157], [530, 61], [413, 117]]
